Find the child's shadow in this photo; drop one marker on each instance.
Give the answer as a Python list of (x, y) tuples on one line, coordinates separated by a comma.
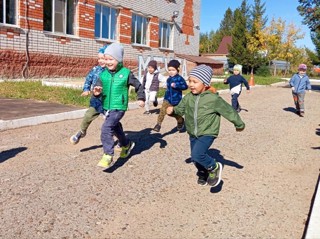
[(215, 153), (144, 140), (290, 109), (155, 111)]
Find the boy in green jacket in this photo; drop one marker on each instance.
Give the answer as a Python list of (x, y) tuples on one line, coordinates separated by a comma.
[(203, 110)]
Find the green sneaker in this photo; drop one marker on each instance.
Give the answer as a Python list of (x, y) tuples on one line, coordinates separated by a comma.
[(106, 161), (126, 150), (214, 176)]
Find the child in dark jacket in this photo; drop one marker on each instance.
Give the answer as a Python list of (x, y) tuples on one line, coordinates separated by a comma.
[(113, 86), (95, 108), (299, 83), (173, 95), (235, 81), (203, 110)]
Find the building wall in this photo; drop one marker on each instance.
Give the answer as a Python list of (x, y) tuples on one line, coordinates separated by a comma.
[(27, 50)]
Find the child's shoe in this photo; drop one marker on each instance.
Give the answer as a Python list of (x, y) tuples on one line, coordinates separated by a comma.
[(147, 113), (157, 128), (76, 138), (180, 126), (155, 102), (106, 161), (301, 114), (214, 176), (202, 178), (126, 150)]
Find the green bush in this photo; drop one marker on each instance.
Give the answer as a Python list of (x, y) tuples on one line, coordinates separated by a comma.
[(263, 71)]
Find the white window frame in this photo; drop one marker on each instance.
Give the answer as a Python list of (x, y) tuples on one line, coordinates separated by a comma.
[(15, 12), (169, 37), (109, 20), (144, 29), (65, 18)]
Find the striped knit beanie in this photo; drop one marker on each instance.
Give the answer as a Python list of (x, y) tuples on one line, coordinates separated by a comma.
[(203, 73)]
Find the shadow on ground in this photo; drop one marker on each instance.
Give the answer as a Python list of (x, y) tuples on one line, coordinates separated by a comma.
[(144, 140), (5, 155)]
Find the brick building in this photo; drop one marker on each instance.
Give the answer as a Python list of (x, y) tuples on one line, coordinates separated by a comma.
[(60, 38)]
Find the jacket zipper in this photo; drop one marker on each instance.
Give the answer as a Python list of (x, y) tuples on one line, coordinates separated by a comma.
[(110, 92), (195, 115)]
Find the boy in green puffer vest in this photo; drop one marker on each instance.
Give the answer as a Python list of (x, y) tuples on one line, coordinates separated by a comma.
[(113, 85), (203, 110)]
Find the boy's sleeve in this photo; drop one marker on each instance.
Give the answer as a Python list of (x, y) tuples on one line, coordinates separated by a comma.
[(308, 85), (180, 108), (291, 81), (133, 81), (226, 110), (89, 80), (181, 84), (245, 82)]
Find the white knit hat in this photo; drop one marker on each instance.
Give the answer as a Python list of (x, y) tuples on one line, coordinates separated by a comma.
[(115, 50), (203, 73)]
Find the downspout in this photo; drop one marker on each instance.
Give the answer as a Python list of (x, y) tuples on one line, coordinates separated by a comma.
[(25, 70)]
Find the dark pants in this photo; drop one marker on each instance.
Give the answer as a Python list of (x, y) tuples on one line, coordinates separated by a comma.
[(298, 99), (234, 101), (112, 127), (199, 152)]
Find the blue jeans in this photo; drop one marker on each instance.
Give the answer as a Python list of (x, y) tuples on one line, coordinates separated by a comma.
[(235, 102), (199, 151), (111, 127)]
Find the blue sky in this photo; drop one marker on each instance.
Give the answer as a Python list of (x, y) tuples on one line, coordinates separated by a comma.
[(212, 12)]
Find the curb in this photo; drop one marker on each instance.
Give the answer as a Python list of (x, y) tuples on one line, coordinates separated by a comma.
[(313, 229), (50, 118)]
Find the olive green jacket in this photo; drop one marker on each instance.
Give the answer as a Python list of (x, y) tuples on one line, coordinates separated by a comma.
[(203, 113)]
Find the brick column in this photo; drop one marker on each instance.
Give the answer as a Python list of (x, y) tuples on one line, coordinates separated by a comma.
[(31, 14), (86, 18), (154, 32), (187, 20), (124, 19)]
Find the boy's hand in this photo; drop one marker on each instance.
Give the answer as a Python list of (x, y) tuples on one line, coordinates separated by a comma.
[(85, 93), (239, 129), (170, 110), (97, 90), (141, 103), (173, 85)]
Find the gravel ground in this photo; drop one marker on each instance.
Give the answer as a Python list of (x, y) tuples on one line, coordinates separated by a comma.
[(52, 189)]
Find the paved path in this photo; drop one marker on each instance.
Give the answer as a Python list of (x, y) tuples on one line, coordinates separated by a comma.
[(51, 189)]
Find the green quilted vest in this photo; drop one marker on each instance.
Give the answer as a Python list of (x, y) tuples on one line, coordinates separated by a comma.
[(115, 89)]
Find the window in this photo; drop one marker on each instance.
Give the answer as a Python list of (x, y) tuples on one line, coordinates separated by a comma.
[(165, 35), (8, 12), (139, 29), (59, 16), (105, 22)]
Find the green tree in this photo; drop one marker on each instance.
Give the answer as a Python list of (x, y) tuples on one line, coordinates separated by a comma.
[(238, 51), (256, 38), (310, 11)]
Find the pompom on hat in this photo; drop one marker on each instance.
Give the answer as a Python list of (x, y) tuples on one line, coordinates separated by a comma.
[(302, 67), (203, 73), (102, 49), (237, 67), (153, 64), (116, 51), (175, 64)]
